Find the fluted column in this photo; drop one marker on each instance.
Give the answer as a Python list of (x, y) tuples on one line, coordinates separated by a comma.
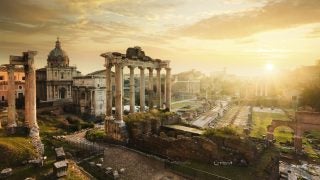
[(150, 88), (108, 91), (132, 90), (31, 81), (168, 88), (142, 89), (118, 98), (159, 87), (11, 97), (26, 97)]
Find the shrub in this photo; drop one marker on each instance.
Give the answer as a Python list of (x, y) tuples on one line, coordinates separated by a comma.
[(225, 131), (72, 120), (87, 125), (95, 135)]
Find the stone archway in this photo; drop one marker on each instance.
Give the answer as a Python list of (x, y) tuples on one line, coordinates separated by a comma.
[(304, 121), (284, 135)]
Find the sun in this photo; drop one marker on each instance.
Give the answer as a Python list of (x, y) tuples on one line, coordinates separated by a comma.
[(269, 67)]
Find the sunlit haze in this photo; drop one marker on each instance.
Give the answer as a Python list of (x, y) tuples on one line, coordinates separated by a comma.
[(239, 35)]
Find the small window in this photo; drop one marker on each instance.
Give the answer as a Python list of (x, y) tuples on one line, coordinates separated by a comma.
[(20, 87), (23, 78), (55, 73), (1, 78), (61, 75), (2, 98)]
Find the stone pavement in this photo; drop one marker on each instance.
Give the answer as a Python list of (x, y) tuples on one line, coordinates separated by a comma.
[(137, 165)]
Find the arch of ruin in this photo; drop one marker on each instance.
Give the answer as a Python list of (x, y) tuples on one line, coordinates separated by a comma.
[(303, 122), (114, 126), (26, 60)]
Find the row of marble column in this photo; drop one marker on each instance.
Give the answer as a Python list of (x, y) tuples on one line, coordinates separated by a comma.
[(30, 96), (119, 90)]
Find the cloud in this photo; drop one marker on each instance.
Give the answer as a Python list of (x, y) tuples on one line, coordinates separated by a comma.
[(278, 14), (315, 33), (140, 8)]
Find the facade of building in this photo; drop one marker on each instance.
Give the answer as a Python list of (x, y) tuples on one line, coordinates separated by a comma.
[(54, 82), (89, 93), (19, 77), (186, 85)]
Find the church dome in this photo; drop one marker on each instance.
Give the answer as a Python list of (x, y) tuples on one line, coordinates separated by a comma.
[(58, 57)]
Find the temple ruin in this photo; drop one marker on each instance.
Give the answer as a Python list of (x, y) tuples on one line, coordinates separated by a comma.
[(30, 120), (304, 121), (134, 58)]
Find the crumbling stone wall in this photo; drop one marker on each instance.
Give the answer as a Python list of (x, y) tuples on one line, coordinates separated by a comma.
[(146, 136)]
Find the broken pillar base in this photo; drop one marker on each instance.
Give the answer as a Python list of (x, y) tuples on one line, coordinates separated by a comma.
[(116, 130)]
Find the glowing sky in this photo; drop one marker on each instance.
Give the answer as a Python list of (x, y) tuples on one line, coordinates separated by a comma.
[(241, 35)]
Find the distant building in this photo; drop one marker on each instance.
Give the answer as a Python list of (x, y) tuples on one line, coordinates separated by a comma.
[(186, 84), (54, 82), (89, 93), (19, 81)]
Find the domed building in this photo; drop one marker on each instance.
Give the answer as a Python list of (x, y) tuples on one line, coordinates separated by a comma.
[(58, 57), (54, 82)]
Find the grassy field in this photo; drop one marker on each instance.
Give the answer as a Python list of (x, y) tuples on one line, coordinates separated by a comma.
[(283, 134), (14, 150), (261, 120), (192, 104), (18, 149)]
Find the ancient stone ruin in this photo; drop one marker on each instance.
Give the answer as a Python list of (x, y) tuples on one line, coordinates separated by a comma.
[(134, 58), (304, 121), (30, 120)]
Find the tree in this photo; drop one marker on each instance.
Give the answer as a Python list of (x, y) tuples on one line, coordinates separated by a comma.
[(310, 96)]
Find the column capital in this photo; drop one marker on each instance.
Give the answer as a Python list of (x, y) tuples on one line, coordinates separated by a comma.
[(158, 69), (150, 68), (141, 68), (131, 67), (168, 68)]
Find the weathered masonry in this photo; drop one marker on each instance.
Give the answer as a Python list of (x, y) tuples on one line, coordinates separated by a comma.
[(26, 60), (30, 119), (304, 121), (134, 58)]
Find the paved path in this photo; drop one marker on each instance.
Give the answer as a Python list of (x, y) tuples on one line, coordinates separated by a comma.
[(206, 118), (137, 165), (241, 120)]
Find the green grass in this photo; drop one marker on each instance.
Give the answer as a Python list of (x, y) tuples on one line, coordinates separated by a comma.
[(14, 150), (261, 120), (283, 134), (192, 104)]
